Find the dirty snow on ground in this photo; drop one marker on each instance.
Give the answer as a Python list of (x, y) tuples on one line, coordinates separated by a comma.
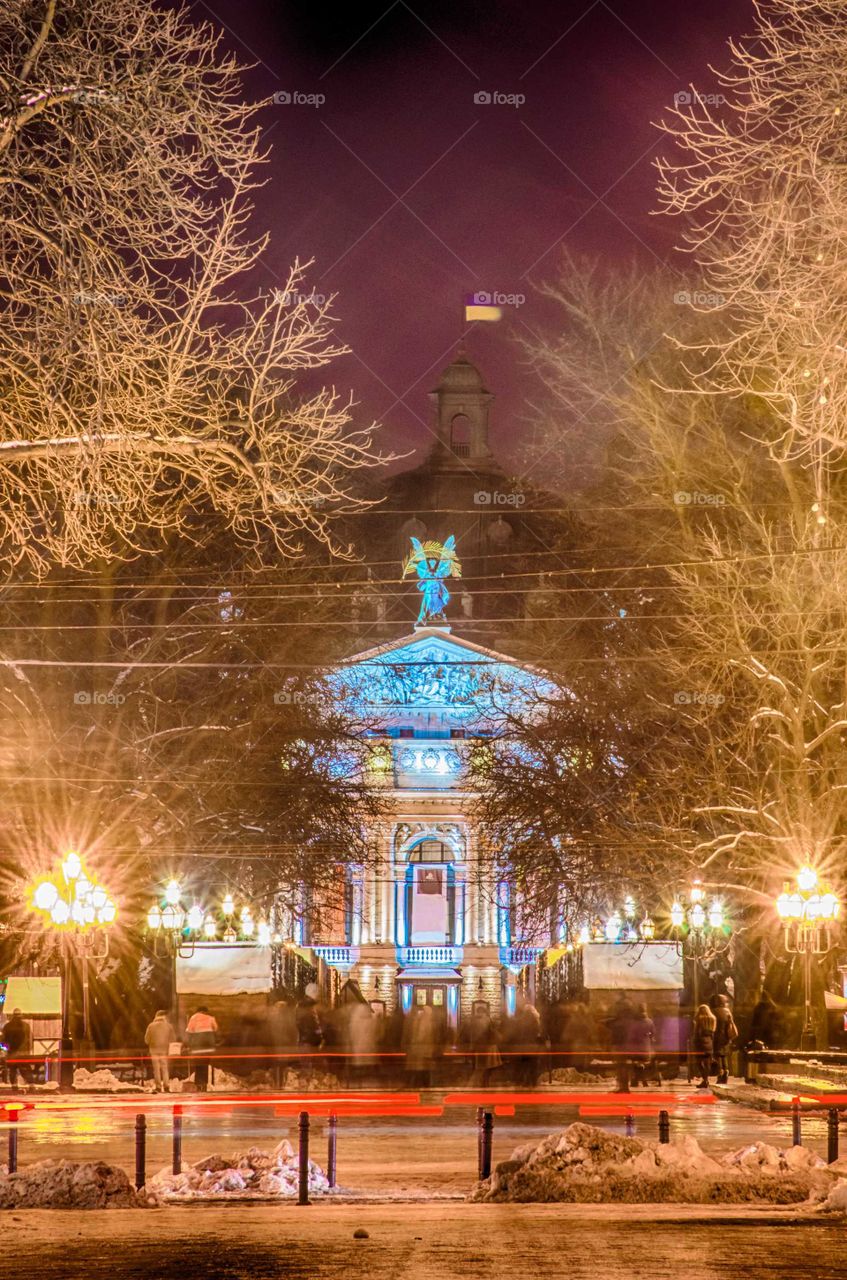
[(102, 1081), (587, 1164), (245, 1175), (64, 1184)]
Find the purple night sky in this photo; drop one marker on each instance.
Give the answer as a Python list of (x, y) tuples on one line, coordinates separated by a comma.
[(409, 194)]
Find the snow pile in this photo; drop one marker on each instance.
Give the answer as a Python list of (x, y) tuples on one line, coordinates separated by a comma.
[(102, 1081), (309, 1080), (224, 1082), (63, 1184), (570, 1075), (252, 1174), (586, 1164)]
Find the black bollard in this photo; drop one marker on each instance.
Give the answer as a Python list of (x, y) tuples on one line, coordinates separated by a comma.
[(796, 1134), (487, 1138), (630, 1124), (832, 1135), (664, 1127), (332, 1145), (140, 1151), (176, 1164), (480, 1112), (303, 1197), (12, 1117)]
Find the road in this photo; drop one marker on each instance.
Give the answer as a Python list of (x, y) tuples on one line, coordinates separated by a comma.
[(394, 1156), (422, 1242)]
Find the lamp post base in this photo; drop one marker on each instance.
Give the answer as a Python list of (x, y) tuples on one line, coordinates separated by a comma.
[(808, 1038)]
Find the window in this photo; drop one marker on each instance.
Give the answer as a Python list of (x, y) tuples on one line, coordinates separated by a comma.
[(431, 851)]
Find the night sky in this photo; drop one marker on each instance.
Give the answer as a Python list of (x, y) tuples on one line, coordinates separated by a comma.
[(409, 194)]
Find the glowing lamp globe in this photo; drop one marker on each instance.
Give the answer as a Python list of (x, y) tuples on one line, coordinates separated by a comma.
[(613, 927), (46, 894), (228, 906), (71, 867), (696, 894), (82, 888), (248, 927), (107, 912), (716, 915), (677, 915), (829, 906), (99, 897), (629, 907), (78, 913), (195, 917), (154, 918), (264, 934), (807, 879), (173, 917), (647, 929), (783, 903), (173, 893), (697, 916), (60, 912), (210, 928)]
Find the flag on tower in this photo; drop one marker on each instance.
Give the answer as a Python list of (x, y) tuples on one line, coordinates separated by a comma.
[(480, 306)]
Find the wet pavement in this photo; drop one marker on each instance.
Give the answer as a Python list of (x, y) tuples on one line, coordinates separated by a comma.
[(423, 1242), (393, 1156)]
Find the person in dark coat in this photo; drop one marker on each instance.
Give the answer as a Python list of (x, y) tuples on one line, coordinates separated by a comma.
[(703, 1042), (726, 1033), (18, 1042), (619, 1025), (766, 1023), (640, 1044)]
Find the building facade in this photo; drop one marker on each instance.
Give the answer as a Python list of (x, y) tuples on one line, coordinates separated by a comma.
[(429, 922)]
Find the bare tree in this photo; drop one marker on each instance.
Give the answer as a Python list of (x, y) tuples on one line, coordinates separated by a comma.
[(145, 381), (757, 172)]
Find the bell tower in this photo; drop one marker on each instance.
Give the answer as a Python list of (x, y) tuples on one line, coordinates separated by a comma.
[(462, 405)]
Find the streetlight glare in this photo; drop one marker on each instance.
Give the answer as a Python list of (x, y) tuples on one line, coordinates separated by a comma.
[(210, 928), (173, 893), (195, 917), (60, 912), (807, 879), (154, 917)]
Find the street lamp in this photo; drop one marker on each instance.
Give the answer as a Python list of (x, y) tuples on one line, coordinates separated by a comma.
[(701, 922), (83, 911), (173, 929), (808, 914)]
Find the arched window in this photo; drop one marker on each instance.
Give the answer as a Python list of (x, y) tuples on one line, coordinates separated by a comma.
[(460, 435), (431, 851)]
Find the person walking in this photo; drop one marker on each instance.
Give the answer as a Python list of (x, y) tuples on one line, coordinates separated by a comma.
[(18, 1042), (201, 1032), (619, 1025), (703, 1042), (642, 1033), (158, 1037), (726, 1033)]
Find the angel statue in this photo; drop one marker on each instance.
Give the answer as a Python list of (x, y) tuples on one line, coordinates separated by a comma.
[(433, 562)]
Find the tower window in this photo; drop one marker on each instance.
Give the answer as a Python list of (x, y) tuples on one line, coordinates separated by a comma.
[(460, 435)]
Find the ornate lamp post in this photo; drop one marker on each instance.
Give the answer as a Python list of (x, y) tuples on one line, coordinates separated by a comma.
[(808, 915), (83, 912), (174, 930), (702, 923)]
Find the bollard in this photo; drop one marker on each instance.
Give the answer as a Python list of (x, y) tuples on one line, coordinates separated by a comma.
[(796, 1134), (176, 1164), (664, 1127), (832, 1135), (140, 1151), (12, 1117), (480, 1112), (303, 1197), (630, 1125), (332, 1144), (487, 1135)]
